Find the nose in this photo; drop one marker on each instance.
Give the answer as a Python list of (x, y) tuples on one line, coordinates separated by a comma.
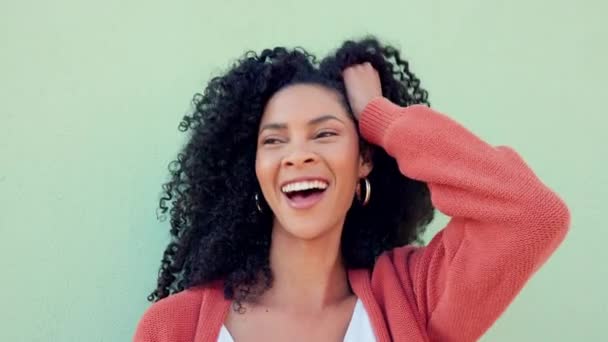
[(300, 157)]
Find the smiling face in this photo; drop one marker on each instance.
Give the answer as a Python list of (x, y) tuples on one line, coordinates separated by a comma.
[(307, 161)]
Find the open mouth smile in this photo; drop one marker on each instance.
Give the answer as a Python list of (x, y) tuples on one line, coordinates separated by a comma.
[(304, 194)]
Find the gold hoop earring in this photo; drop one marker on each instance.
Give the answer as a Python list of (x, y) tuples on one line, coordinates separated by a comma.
[(368, 192), (257, 203)]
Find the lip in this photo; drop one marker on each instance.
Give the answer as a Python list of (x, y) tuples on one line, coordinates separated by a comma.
[(306, 203), (311, 201), (303, 179)]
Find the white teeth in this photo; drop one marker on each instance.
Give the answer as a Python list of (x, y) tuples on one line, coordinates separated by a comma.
[(299, 186)]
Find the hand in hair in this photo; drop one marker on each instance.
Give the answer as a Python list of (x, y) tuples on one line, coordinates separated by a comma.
[(362, 85)]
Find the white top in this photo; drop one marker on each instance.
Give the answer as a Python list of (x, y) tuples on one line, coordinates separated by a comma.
[(359, 329)]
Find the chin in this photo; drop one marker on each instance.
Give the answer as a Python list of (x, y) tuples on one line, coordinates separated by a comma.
[(306, 229)]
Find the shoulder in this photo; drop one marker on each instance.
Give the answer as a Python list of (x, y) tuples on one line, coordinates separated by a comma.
[(186, 301), (397, 260), (172, 318), (392, 266), (389, 290)]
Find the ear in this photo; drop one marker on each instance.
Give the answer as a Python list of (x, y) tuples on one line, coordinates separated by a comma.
[(365, 162)]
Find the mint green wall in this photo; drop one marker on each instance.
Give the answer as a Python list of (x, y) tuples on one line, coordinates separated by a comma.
[(91, 95)]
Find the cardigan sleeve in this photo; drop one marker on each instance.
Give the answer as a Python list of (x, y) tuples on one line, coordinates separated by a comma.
[(172, 319), (504, 221)]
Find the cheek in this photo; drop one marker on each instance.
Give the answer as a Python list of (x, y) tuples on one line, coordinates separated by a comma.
[(348, 157), (345, 162), (265, 169)]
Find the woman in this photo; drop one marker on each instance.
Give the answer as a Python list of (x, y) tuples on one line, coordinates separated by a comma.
[(298, 202)]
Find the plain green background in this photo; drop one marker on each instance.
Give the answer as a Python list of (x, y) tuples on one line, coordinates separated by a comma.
[(92, 93)]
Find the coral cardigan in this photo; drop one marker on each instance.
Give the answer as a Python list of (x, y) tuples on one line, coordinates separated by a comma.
[(504, 225)]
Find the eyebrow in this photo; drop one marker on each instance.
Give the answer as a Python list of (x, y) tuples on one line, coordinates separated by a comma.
[(315, 121)]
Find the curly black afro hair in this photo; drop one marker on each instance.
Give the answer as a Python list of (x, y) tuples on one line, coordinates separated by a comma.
[(216, 230)]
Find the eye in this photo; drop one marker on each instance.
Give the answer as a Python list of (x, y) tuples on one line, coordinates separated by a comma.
[(270, 141), (325, 134)]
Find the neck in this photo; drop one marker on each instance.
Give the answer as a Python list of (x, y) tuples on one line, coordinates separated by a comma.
[(308, 275)]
